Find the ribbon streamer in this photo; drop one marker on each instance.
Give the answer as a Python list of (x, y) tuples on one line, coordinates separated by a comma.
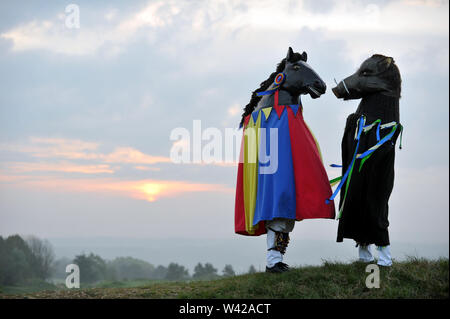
[(362, 156)]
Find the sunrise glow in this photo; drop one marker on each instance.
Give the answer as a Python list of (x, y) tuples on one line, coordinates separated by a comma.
[(151, 190)]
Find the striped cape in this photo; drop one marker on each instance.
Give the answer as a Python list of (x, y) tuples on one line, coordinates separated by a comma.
[(297, 188)]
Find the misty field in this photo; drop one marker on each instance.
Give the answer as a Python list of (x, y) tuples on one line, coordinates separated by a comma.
[(414, 278)]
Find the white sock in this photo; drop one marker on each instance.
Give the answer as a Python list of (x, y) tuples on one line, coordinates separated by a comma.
[(278, 224), (365, 253), (273, 256), (384, 256)]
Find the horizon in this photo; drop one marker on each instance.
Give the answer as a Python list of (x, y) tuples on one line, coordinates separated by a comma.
[(241, 255)]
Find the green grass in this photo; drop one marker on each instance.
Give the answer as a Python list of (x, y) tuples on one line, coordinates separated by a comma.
[(37, 286), (125, 284), (414, 278), (32, 286)]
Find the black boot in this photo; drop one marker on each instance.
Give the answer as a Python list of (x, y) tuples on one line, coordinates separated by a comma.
[(278, 268), (285, 266)]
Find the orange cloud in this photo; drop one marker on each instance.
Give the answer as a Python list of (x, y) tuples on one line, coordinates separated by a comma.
[(146, 168), (149, 190), (25, 167), (59, 155), (73, 149), (55, 148), (131, 155)]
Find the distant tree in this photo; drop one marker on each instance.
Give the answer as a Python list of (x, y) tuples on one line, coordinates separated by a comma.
[(252, 269), (205, 272), (16, 261), (19, 269), (131, 268), (92, 268), (58, 268), (160, 272), (228, 271), (3, 260), (111, 273), (176, 272), (199, 271), (43, 255)]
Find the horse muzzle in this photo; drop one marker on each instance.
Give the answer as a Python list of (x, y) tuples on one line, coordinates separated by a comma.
[(347, 88), (339, 90), (316, 89)]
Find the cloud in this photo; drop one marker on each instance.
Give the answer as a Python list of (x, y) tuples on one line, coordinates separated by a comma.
[(131, 155), (110, 33), (74, 149), (413, 32), (393, 17), (85, 158), (146, 168), (147, 189), (187, 22), (53, 36), (66, 167), (43, 147), (155, 14)]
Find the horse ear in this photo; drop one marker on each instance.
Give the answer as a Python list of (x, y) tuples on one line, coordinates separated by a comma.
[(386, 62), (304, 56), (389, 60), (290, 54)]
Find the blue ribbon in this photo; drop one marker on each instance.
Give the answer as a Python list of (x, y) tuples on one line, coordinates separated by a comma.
[(266, 92), (378, 131), (276, 87), (360, 129), (380, 142), (363, 155)]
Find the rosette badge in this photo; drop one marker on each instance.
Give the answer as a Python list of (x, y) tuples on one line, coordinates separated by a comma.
[(279, 80)]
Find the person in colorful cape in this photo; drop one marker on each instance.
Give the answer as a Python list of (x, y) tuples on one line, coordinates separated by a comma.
[(368, 154), (281, 178)]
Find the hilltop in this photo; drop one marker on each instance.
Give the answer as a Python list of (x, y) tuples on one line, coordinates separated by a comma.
[(414, 278)]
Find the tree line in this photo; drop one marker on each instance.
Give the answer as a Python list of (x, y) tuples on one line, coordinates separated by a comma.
[(23, 260), (94, 268)]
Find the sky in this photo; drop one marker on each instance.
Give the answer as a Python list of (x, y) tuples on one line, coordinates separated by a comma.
[(91, 92)]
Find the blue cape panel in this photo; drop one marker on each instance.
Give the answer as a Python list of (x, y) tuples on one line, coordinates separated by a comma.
[(276, 192)]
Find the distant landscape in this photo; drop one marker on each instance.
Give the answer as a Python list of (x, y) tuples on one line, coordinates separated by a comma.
[(30, 265), (29, 268), (241, 252)]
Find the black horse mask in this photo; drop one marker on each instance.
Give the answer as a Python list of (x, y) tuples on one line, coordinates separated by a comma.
[(376, 74), (301, 78)]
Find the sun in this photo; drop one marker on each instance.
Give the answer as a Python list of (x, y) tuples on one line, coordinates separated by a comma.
[(151, 190)]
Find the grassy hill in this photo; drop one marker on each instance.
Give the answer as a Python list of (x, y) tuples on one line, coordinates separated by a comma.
[(414, 278)]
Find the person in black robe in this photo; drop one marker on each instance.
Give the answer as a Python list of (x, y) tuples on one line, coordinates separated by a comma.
[(365, 193)]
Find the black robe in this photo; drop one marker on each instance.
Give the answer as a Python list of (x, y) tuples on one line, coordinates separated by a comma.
[(365, 213)]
